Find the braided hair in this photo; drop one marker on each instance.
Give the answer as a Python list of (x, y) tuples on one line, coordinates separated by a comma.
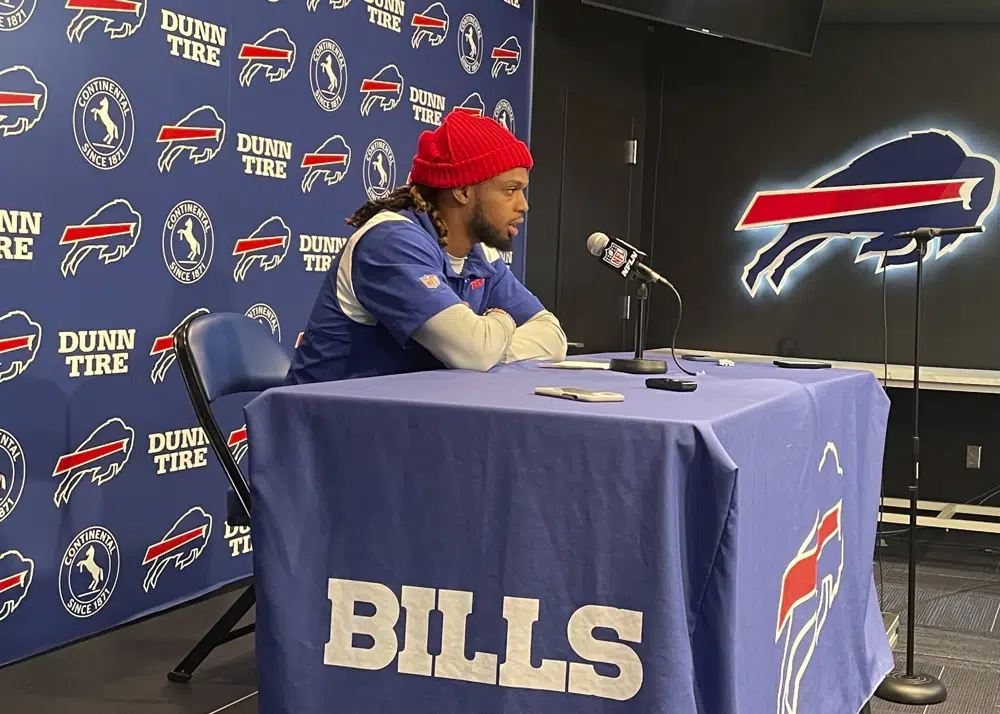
[(410, 196)]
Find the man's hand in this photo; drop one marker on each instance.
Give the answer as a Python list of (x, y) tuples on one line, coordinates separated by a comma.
[(496, 309)]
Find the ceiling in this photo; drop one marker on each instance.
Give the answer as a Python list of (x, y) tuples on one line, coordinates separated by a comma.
[(912, 11)]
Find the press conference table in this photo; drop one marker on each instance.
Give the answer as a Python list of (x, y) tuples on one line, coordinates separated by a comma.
[(451, 543)]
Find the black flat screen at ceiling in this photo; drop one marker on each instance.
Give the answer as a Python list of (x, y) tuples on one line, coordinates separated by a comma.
[(782, 24)]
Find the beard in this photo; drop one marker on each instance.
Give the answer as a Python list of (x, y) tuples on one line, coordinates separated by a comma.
[(484, 232)]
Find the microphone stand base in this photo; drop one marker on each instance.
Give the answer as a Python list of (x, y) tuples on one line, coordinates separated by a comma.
[(638, 366), (912, 689)]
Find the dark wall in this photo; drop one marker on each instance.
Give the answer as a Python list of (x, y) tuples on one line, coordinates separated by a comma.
[(589, 52), (741, 118)]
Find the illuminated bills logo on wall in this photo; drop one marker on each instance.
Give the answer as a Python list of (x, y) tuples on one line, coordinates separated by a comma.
[(927, 178)]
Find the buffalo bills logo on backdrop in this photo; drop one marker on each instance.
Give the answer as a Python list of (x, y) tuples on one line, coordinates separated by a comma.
[(470, 43), (110, 234), (23, 98), (163, 348), (472, 105), (506, 58), (265, 315), (16, 574), (311, 5), (103, 123), (328, 75), (274, 53), (384, 90), (120, 18), (88, 572), (504, 114), (238, 439), (14, 14), (809, 588), (266, 247), (20, 337), (379, 170), (199, 134), (330, 161), (927, 178), (431, 26), (188, 242), (180, 546), (101, 456), (12, 474)]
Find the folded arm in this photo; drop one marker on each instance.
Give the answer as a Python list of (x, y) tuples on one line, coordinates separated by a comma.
[(461, 339), (541, 337)]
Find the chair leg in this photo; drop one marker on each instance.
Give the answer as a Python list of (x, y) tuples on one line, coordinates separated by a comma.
[(221, 632)]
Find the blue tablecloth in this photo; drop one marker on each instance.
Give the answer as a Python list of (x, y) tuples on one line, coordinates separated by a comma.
[(451, 543)]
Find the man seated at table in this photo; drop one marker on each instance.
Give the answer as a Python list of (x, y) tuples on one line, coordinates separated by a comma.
[(421, 283)]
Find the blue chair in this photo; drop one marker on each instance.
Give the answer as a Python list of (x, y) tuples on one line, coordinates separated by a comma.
[(220, 354)]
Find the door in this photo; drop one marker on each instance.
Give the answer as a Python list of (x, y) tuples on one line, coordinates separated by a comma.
[(596, 196)]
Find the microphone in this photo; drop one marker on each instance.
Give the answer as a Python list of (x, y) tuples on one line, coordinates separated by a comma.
[(931, 233), (626, 260), (622, 257)]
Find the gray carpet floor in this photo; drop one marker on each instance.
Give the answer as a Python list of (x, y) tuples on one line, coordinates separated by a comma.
[(957, 624)]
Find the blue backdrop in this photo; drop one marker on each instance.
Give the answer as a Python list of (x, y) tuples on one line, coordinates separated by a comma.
[(161, 158)]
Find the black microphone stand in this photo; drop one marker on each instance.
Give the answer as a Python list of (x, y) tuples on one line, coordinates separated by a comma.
[(916, 689), (638, 364)]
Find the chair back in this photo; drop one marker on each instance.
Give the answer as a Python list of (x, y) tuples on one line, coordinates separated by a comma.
[(227, 353)]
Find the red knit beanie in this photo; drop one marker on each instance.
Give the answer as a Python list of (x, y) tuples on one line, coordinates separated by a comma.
[(466, 150)]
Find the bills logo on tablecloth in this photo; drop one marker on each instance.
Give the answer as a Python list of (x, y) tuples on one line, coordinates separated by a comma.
[(809, 587), (117, 18), (109, 234), (20, 338), (927, 178), (23, 98), (180, 547), (16, 574)]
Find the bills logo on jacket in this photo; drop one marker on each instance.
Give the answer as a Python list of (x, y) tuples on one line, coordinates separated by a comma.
[(926, 178), (164, 162)]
